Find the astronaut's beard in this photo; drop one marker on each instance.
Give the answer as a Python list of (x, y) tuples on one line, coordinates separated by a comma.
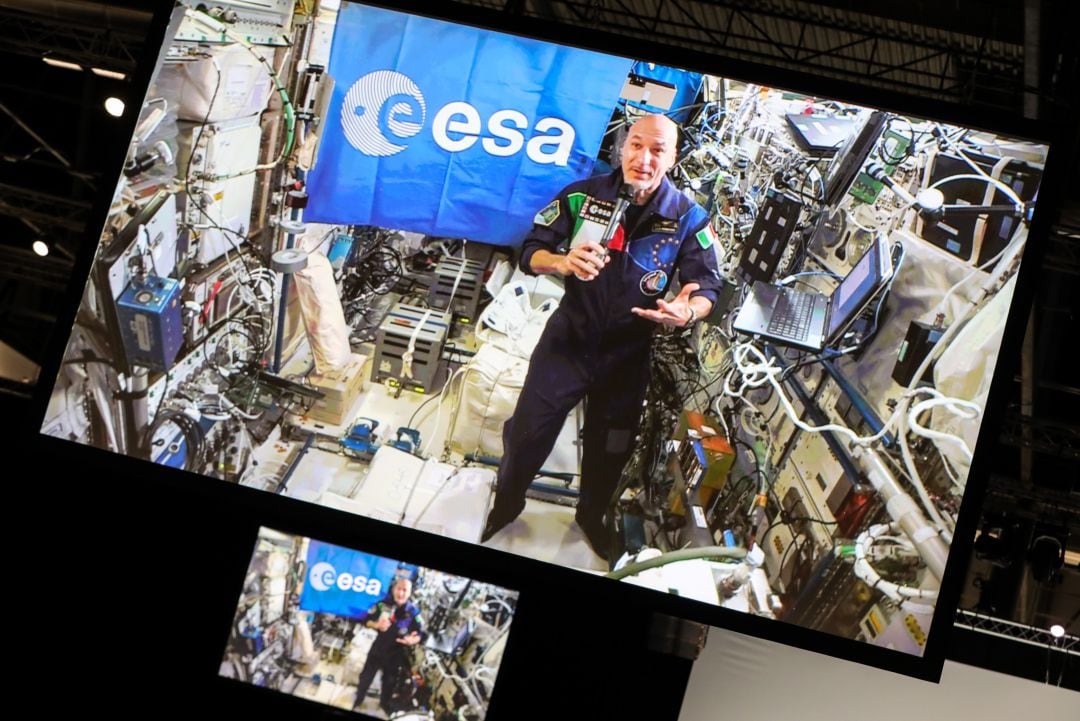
[(637, 183), (643, 189)]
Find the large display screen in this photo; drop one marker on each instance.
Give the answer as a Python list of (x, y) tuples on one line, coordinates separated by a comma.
[(484, 286)]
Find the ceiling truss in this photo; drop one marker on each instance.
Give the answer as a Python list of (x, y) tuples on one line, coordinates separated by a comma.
[(856, 47), (83, 43)]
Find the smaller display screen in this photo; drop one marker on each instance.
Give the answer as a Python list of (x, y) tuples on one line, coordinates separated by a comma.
[(366, 633)]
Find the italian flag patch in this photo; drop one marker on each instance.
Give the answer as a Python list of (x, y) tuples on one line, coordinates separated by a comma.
[(706, 237)]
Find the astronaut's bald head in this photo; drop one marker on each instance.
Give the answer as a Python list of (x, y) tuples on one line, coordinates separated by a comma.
[(649, 152)]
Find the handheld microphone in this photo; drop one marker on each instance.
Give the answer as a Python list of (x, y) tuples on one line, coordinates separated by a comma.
[(625, 197), (622, 202)]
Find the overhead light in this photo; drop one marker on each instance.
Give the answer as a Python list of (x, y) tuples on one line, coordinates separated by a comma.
[(108, 73), (69, 65), (1057, 630), (57, 63), (114, 106), (41, 248)]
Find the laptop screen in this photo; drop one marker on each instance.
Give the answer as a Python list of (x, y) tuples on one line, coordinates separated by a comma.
[(850, 159), (857, 288)]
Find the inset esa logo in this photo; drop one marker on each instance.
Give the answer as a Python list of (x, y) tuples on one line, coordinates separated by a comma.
[(384, 108), (323, 577)]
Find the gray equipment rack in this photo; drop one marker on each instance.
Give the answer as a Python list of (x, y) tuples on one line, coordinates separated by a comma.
[(458, 286), (392, 343)]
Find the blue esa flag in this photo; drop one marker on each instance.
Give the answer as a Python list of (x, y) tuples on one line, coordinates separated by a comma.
[(454, 131), (345, 582)]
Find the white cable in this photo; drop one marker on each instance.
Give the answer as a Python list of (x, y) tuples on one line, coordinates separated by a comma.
[(457, 278), (750, 426), (720, 416), (757, 375), (964, 409), (851, 219), (501, 602), (765, 372), (438, 417), (901, 595), (953, 476), (407, 356), (235, 410), (484, 673), (447, 673), (916, 481), (446, 390), (213, 416), (986, 178)]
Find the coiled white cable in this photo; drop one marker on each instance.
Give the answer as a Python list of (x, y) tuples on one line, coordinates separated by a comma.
[(904, 596)]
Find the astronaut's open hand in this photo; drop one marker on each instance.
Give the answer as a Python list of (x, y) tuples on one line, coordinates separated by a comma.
[(674, 314), (586, 260), (410, 640)]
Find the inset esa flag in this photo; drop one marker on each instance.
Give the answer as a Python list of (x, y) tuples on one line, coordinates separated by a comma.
[(346, 582), (454, 131)]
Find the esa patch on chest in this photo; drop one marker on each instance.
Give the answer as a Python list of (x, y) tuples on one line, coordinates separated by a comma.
[(597, 211), (653, 282), (592, 220)]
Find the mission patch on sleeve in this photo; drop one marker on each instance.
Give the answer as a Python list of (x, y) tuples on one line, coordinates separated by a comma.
[(548, 215)]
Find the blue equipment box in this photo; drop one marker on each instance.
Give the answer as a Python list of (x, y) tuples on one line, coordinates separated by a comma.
[(340, 249), (175, 453), (150, 322)]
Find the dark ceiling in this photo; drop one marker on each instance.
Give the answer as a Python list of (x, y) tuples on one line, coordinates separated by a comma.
[(59, 147)]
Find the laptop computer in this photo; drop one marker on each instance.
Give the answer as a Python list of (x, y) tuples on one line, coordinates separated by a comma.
[(820, 136), (811, 320)]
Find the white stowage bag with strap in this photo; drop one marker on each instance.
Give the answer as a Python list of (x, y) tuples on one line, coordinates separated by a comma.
[(511, 323), (509, 329), (965, 370), (324, 318)]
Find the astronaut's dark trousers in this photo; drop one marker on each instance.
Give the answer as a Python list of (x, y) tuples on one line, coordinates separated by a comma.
[(612, 378), (392, 664)]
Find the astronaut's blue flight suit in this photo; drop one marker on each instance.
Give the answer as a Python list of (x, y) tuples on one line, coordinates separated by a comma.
[(386, 654), (593, 346)]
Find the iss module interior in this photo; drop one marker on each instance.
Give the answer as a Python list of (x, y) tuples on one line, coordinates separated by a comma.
[(310, 283)]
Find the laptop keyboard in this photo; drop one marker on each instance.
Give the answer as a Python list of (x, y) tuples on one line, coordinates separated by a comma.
[(791, 314)]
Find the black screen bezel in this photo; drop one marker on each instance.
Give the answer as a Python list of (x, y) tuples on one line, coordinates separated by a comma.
[(535, 578)]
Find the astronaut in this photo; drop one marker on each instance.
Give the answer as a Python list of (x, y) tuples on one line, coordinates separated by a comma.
[(399, 625), (596, 345)]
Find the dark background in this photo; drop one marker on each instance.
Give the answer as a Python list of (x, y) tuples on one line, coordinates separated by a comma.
[(127, 576)]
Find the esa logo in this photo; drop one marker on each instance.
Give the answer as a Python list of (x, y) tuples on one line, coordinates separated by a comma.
[(385, 108), (323, 577)]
